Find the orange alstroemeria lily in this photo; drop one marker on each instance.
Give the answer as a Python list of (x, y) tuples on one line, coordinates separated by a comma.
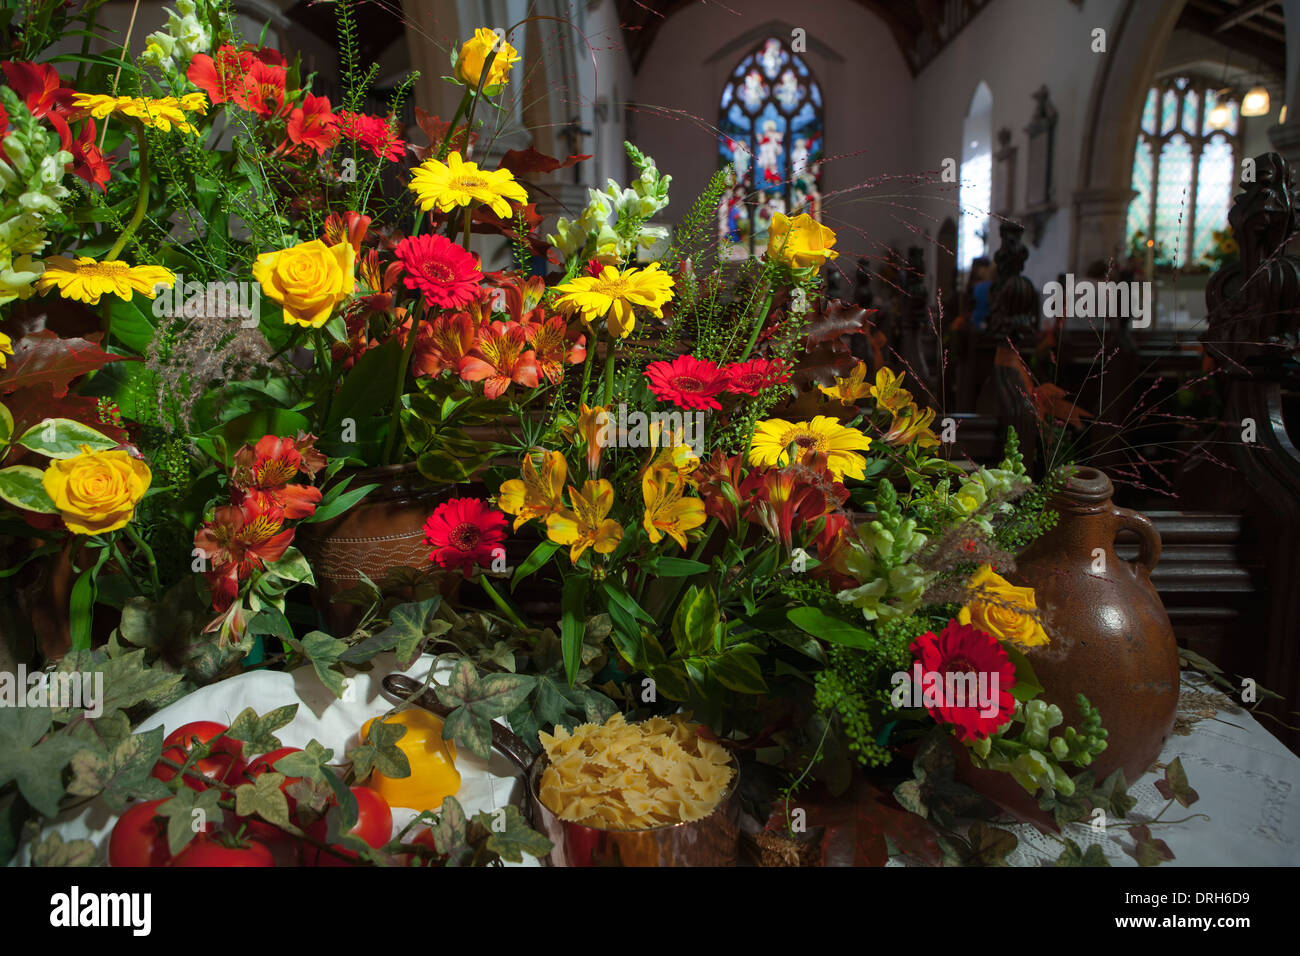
[(500, 356), (587, 525), (535, 495), (666, 510), (594, 427), (910, 423)]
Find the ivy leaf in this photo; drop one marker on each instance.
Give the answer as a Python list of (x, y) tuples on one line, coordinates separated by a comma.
[(1175, 786), (1147, 850), (324, 652), (52, 851), (308, 762), (476, 702), (934, 793), (257, 733), (380, 752), (450, 833), (36, 764), (127, 681), (1112, 795), (264, 798), (509, 835), (990, 845), (1072, 855), (103, 732), (187, 814), (409, 625), (549, 703), (122, 773), (1078, 806)]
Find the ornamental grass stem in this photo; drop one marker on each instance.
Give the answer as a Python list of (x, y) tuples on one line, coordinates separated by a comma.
[(141, 195), (138, 540), (758, 323), (501, 604), (394, 419)]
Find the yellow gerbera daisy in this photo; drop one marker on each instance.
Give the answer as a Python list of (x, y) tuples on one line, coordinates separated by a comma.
[(162, 113), (666, 510), (86, 280), (821, 436), (535, 495), (889, 392), (849, 390), (458, 183), (613, 294), (587, 525)]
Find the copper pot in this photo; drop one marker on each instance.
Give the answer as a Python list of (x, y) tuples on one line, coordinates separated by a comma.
[(1111, 639), (713, 840), (384, 530)]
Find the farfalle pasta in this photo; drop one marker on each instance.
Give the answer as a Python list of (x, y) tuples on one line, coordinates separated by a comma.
[(623, 776)]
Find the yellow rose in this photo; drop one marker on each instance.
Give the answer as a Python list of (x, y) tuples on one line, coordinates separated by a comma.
[(469, 64), (802, 242), (307, 279), (1000, 608), (96, 491)]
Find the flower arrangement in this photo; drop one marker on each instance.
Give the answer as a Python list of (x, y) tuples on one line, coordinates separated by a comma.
[(664, 484)]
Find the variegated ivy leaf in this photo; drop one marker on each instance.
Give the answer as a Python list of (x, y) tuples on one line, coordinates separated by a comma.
[(122, 774), (189, 813), (52, 851), (380, 752), (257, 733)]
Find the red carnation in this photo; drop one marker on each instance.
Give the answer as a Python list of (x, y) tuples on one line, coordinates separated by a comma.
[(375, 133), (313, 124), (446, 274), (464, 532), (750, 378), (965, 649), (687, 382)]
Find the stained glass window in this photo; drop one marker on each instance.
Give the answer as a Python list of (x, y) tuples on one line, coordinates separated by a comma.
[(1183, 170), (772, 145)]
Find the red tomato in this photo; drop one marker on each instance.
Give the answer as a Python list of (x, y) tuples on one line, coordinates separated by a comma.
[(225, 763), (205, 851), (257, 828), (138, 839), (425, 839), (374, 825)]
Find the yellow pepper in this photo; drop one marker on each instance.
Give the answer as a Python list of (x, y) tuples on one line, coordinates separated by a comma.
[(434, 776)]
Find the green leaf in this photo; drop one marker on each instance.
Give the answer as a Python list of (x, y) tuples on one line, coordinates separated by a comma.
[(368, 388), (126, 682), (1027, 684), (539, 556), (449, 832), (52, 851), (469, 731), (696, 621), (573, 601), (678, 567), (63, 438), (339, 504), (379, 751), (739, 672), (308, 762), (122, 774), (264, 798), (257, 733), (21, 486), (6, 424), (819, 624), (292, 566), (510, 836), (618, 594), (1147, 850), (324, 652), (408, 627), (36, 764), (498, 694), (187, 814), (1112, 795), (1073, 855), (989, 845), (1175, 785)]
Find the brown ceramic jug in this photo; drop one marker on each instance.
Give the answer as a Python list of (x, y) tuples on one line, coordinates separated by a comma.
[(1111, 639)]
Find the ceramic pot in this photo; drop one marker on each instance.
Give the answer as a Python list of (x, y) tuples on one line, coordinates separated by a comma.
[(384, 530), (1111, 639)]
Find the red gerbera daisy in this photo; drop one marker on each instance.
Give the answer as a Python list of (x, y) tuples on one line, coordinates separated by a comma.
[(965, 673), (750, 378), (464, 532), (447, 275), (375, 133), (687, 382)]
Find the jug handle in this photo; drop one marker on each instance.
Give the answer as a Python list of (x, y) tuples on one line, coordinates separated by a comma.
[(1149, 545)]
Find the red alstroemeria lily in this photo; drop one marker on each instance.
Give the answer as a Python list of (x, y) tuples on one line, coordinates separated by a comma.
[(237, 541), (264, 472)]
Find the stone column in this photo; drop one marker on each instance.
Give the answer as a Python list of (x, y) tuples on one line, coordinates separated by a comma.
[(1286, 136), (1100, 220)]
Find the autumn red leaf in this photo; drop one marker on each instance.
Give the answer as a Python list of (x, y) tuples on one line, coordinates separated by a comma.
[(43, 358), (524, 161)]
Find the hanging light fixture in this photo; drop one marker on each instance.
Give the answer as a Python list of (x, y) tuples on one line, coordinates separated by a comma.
[(1219, 116), (1255, 102)]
